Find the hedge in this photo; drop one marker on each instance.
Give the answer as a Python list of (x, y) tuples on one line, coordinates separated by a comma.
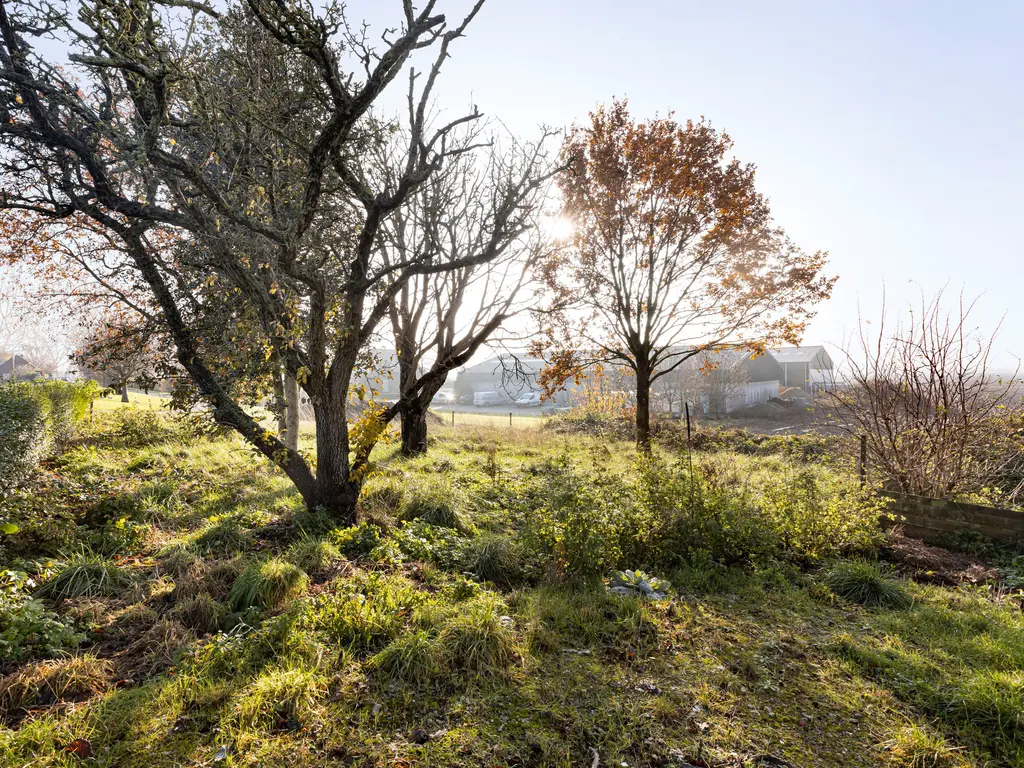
[(37, 418)]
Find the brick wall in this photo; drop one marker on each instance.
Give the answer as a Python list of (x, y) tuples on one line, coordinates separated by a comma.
[(927, 518)]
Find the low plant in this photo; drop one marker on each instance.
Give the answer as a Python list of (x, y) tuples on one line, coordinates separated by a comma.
[(225, 536), (497, 558), (478, 639), (860, 581), (69, 679), (991, 702), (915, 746), (311, 553), (281, 699), (638, 584), (358, 540), (267, 584), (85, 574), (411, 658), (435, 504), (201, 613), (364, 614), (28, 629)]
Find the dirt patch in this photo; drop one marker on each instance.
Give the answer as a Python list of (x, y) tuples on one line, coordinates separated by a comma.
[(934, 565)]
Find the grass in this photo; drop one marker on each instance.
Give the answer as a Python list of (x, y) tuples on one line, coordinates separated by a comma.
[(85, 574), (422, 646), (268, 584), (868, 584)]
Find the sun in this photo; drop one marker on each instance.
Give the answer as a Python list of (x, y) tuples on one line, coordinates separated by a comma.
[(559, 228)]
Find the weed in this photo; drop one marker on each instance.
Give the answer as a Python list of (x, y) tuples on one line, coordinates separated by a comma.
[(914, 746), (281, 699), (866, 583), (435, 504), (224, 536)]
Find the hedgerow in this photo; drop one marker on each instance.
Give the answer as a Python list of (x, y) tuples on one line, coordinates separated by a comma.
[(35, 419)]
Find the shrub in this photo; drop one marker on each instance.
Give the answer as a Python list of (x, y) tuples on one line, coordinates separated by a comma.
[(86, 574), (478, 640), (573, 524), (24, 438), (411, 658), (137, 428), (267, 584), (866, 583), (69, 405)]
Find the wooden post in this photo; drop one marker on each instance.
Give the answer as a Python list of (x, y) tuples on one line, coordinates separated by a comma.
[(862, 468), (510, 418), (453, 418)]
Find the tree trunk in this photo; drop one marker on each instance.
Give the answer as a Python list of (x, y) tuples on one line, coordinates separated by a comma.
[(124, 392), (336, 491), (291, 413), (643, 407), (414, 429)]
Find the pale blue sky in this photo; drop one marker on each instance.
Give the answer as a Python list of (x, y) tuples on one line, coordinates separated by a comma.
[(888, 133)]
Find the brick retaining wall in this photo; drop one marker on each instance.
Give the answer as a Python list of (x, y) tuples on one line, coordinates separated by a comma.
[(927, 518)]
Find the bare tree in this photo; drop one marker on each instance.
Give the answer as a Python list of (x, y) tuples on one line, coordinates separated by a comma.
[(439, 321), (937, 423)]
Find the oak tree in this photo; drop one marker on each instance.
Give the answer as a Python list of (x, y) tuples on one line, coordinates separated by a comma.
[(674, 253)]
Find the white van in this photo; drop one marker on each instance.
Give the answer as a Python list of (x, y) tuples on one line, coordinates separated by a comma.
[(490, 398)]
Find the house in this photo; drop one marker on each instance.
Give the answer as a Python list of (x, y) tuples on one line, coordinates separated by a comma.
[(17, 367), (802, 365)]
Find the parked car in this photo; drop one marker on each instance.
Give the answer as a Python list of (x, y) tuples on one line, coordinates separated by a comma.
[(466, 399), (444, 397), (528, 400), (490, 398)]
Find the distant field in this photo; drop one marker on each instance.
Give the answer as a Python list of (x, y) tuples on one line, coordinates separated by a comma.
[(137, 399)]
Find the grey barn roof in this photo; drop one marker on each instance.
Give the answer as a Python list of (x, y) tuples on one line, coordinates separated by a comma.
[(809, 354)]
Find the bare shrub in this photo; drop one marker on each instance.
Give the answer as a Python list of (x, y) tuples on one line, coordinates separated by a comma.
[(937, 420)]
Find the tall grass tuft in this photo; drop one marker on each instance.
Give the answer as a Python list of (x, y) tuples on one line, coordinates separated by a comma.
[(866, 583), (478, 641), (267, 584), (86, 574)]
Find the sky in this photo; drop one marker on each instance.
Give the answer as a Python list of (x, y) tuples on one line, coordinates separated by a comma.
[(887, 133)]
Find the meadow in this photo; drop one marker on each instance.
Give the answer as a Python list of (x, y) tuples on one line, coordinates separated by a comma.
[(528, 596)]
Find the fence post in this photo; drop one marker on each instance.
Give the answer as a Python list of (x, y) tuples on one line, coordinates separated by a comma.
[(862, 468), (453, 418), (510, 418)]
